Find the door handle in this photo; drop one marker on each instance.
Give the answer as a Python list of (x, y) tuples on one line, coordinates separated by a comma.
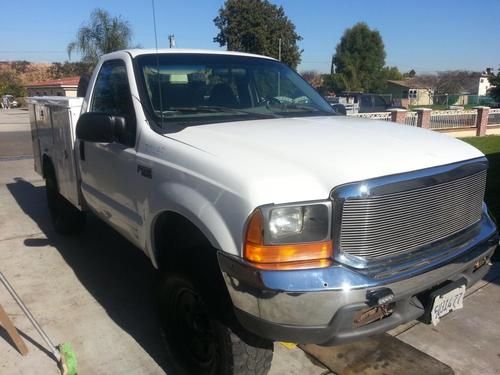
[(82, 150), (145, 171)]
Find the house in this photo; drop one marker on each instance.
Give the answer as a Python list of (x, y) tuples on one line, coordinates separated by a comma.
[(473, 89), (410, 92), (484, 82), (56, 87)]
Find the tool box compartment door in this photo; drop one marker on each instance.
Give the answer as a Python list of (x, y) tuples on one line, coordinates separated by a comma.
[(37, 155), (64, 120), (53, 121)]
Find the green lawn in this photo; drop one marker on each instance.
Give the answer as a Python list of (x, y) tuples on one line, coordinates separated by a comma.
[(490, 146)]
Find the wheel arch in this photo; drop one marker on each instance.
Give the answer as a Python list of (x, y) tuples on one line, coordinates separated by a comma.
[(182, 205), (185, 249), (172, 232)]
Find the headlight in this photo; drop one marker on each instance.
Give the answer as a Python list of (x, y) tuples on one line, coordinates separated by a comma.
[(286, 221), (289, 233), (298, 224)]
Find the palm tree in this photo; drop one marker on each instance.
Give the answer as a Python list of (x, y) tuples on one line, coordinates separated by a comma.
[(103, 34)]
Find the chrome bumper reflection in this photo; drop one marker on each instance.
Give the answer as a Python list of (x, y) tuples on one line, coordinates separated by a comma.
[(312, 297)]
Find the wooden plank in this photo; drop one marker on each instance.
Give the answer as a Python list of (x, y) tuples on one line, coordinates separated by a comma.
[(12, 332)]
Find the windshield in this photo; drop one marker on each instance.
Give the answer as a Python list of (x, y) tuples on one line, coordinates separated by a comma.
[(193, 89)]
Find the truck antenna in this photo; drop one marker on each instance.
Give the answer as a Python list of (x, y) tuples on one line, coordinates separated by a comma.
[(157, 63)]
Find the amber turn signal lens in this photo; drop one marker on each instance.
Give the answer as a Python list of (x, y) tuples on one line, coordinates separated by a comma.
[(301, 265), (289, 256)]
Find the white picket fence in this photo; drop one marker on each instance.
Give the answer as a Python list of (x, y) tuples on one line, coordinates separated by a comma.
[(411, 118), (453, 119), (440, 120), (494, 117), (384, 116)]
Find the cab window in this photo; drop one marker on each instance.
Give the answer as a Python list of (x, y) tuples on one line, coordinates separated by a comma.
[(112, 96), (111, 91)]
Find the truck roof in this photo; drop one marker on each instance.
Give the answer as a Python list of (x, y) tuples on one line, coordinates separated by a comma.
[(147, 51)]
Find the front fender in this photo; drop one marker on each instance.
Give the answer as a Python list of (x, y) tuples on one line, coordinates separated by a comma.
[(216, 214)]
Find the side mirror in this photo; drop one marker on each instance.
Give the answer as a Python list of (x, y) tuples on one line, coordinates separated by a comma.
[(100, 127)]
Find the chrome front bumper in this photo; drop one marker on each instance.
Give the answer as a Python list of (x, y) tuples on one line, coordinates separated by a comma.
[(318, 305)]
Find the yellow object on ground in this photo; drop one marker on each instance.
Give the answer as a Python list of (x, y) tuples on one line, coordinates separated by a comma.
[(288, 345)]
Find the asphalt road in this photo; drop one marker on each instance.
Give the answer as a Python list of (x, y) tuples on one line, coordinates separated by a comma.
[(15, 134), (15, 144)]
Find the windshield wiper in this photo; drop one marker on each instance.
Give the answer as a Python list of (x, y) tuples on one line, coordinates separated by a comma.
[(283, 107), (290, 109), (307, 108), (215, 109)]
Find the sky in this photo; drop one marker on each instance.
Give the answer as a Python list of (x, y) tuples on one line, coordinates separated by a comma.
[(427, 36)]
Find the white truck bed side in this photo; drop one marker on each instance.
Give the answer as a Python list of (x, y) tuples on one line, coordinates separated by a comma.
[(53, 121)]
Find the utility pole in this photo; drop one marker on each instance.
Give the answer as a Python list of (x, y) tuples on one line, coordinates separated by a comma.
[(171, 41), (279, 73)]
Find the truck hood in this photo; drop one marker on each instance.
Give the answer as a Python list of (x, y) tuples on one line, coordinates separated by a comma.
[(299, 159)]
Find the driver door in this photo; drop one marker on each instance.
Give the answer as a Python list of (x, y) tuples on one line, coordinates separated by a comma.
[(104, 166)]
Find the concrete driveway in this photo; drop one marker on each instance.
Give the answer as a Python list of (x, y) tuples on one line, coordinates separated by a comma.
[(94, 290)]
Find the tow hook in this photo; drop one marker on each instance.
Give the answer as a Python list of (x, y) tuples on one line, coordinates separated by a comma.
[(481, 262)]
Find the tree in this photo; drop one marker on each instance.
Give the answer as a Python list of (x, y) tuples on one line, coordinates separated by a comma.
[(388, 73), (34, 72), (67, 69), (456, 82), (11, 84), (20, 66), (329, 85), (256, 26), (425, 80), (359, 60), (409, 74), (103, 34), (494, 92), (313, 78), (392, 73)]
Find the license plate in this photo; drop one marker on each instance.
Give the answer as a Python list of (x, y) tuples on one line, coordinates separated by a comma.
[(446, 303)]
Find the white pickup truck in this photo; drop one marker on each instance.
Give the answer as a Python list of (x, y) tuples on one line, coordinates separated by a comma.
[(270, 216)]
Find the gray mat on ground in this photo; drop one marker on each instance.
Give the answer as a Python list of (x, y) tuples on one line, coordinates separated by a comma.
[(382, 354)]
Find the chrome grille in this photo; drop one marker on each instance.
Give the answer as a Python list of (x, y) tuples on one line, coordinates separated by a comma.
[(397, 223)]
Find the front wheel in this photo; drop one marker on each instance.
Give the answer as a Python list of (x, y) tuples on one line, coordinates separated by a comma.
[(197, 343)]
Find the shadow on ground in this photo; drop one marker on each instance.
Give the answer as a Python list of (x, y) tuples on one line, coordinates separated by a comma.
[(118, 275), (4, 335)]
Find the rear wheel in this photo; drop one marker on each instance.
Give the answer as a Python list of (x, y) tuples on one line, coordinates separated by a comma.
[(66, 218), (197, 343)]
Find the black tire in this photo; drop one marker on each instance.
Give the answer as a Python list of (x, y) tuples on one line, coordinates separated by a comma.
[(196, 343), (66, 219)]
